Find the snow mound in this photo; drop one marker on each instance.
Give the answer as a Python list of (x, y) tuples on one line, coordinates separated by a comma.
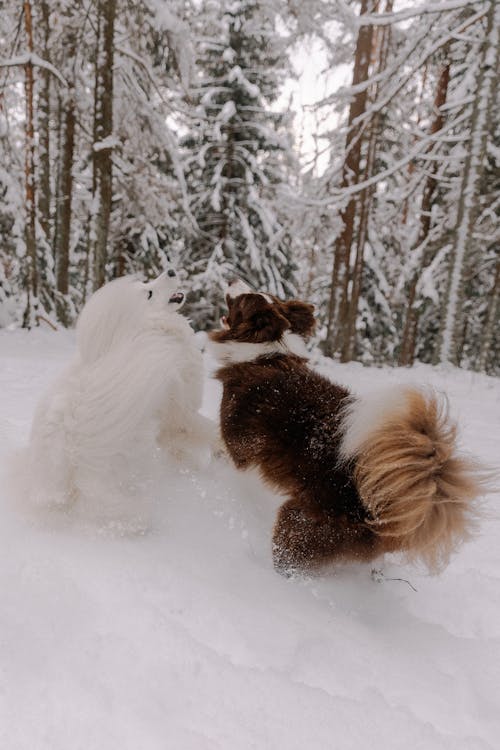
[(186, 638)]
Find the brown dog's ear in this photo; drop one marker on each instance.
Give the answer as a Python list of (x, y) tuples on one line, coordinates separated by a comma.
[(301, 317), (267, 325)]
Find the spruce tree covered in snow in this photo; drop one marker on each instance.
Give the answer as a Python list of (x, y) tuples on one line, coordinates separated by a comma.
[(237, 155), (153, 60)]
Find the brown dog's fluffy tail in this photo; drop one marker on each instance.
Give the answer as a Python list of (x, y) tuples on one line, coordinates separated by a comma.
[(421, 495)]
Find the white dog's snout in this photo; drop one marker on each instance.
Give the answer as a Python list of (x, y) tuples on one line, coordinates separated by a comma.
[(168, 279)]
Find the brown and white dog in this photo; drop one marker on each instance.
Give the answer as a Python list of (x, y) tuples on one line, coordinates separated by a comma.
[(363, 476)]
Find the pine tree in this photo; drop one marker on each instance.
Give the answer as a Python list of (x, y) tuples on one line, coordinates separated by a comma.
[(154, 68), (236, 156)]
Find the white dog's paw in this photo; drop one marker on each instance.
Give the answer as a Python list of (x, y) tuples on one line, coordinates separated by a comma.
[(57, 498), (219, 450), (124, 528), (193, 443), (189, 456)]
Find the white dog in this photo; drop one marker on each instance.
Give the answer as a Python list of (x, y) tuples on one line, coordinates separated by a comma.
[(131, 394)]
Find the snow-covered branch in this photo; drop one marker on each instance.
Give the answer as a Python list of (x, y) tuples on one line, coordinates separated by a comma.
[(33, 59), (427, 8)]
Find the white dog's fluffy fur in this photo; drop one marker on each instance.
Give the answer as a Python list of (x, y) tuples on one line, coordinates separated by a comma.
[(130, 396)]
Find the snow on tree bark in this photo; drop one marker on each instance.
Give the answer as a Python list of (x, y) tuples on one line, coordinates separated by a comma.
[(484, 98), (407, 351)]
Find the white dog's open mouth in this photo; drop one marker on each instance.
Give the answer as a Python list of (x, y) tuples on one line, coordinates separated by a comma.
[(178, 297)]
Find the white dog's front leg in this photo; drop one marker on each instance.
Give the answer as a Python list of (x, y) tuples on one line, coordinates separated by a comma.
[(192, 441)]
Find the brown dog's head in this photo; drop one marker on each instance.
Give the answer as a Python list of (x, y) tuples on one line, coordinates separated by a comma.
[(256, 318)]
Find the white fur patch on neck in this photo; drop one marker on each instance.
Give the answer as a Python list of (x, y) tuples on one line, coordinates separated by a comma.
[(232, 352), (237, 288)]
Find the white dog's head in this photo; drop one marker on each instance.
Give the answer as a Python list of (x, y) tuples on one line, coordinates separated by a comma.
[(119, 310)]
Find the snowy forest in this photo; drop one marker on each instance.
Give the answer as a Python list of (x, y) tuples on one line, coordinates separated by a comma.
[(136, 132)]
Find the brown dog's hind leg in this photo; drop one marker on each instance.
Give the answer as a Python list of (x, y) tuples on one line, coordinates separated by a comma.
[(305, 538)]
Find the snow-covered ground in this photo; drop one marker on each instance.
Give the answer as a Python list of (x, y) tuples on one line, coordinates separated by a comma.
[(186, 638)]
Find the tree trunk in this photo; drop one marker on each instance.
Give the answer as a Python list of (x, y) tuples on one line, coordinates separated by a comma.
[(337, 307), (57, 189), (491, 324), (64, 209), (408, 341), (411, 166), (44, 128), (103, 162), (484, 100), (65, 175), (90, 230), (381, 41), (30, 312)]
